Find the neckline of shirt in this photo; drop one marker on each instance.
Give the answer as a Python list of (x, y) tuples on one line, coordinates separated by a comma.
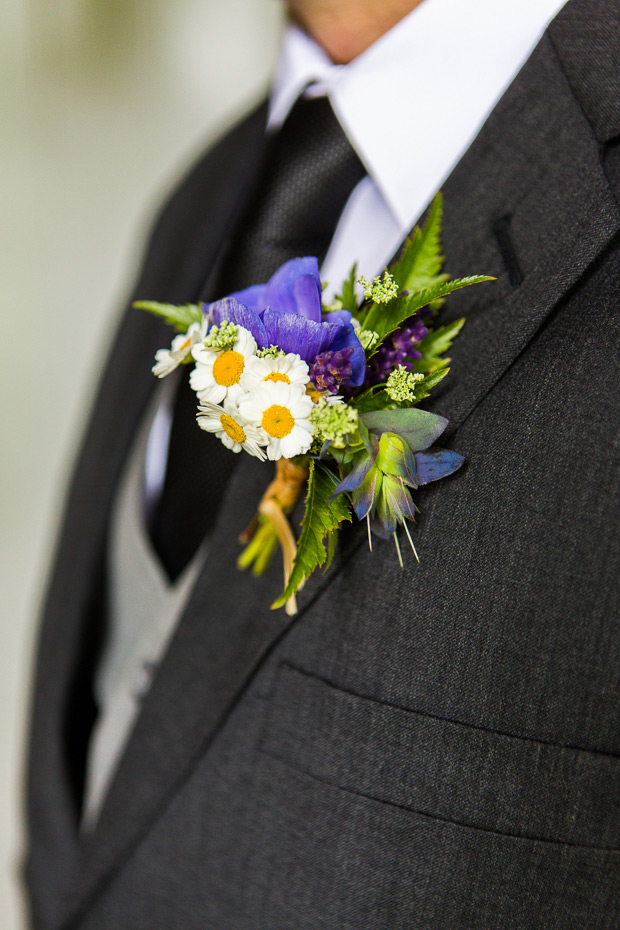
[(403, 112)]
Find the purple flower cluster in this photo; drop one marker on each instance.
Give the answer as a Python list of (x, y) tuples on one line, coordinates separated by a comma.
[(330, 369), (399, 349)]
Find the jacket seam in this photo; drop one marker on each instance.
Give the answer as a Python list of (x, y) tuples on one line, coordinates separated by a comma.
[(430, 716), (436, 817)]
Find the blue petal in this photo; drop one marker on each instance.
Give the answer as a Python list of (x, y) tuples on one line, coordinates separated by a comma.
[(356, 476), (308, 300), (297, 334), (342, 317), (346, 338), (434, 465), (394, 505), (280, 290), (379, 530), (365, 499), (235, 312), (252, 297)]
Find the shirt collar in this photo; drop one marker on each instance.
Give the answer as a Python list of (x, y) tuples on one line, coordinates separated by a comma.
[(421, 92), (302, 63)]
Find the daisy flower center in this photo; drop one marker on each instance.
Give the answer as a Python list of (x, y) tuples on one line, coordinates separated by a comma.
[(277, 376), (277, 421), (228, 368), (232, 428)]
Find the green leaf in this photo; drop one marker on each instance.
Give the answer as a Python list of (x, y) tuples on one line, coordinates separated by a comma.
[(348, 297), (332, 542), (419, 428), (423, 388), (417, 270), (434, 345), (320, 518), (375, 398), (178, 316), (421, 261), (385, 319)]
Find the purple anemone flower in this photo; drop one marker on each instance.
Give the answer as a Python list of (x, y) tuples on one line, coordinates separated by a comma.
[(287, 312)]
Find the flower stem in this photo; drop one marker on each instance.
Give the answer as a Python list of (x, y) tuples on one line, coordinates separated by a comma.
[(257, 554), (262, 535), (270, 526)]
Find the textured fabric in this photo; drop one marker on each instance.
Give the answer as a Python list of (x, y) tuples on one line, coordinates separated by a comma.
[(310, 170), (432, 748)]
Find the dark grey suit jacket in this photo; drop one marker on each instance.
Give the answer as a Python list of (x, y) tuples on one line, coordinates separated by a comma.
[(436, 747)]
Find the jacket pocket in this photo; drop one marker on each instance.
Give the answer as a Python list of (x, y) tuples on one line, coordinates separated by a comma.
[(443, 769)]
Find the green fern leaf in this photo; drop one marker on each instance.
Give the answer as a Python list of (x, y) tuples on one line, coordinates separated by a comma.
[(347, 296), (421, 261), (321, 517), (434, 345), (385, 319)]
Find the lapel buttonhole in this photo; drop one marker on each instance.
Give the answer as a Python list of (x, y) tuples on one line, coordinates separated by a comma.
[(501, 231)]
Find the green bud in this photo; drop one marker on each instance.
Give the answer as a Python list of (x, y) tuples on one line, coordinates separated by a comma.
[(271, 352), (381, 290), (221, 337), (333, 423), (336, 304), (395, 458), (401, 383)]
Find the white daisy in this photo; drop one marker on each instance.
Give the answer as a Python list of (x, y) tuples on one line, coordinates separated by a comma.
[(282, 412), (287, 369), (231, 427), (169, 359), (217, 373)]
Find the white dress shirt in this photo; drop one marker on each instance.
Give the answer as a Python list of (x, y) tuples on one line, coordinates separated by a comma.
[(411, 105)]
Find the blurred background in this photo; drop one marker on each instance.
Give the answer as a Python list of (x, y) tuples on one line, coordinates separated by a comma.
[(102, 105)]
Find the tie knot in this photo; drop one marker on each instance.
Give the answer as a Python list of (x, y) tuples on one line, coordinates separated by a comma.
[(313, 148), (309, 171)]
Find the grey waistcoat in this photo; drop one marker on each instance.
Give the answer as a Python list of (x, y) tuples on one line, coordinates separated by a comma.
[(143, 609)]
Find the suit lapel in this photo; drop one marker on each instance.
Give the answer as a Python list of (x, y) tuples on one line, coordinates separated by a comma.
[(529, 203), (529, 197)]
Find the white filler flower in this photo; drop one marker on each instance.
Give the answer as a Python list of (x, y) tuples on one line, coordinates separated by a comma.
[(231, 427), (282, 412), (218, 372), (287, 369), (168, 359)]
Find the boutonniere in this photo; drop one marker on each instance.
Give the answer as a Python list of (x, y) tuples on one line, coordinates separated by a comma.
[(329, 393)]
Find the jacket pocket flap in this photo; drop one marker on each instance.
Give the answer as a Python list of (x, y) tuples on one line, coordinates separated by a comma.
[(442, 768)]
